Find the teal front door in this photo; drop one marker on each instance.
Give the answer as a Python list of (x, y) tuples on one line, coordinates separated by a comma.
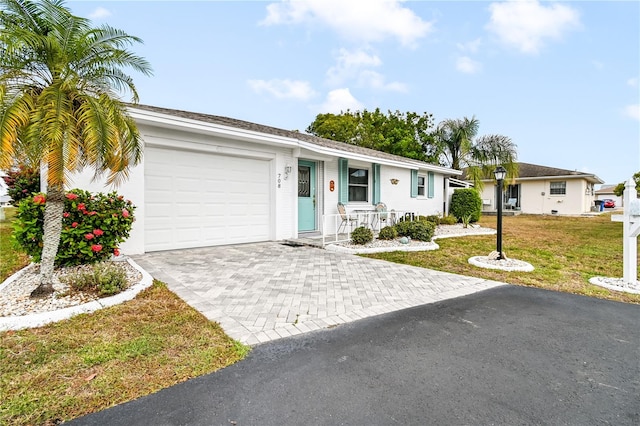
[(307, 196)]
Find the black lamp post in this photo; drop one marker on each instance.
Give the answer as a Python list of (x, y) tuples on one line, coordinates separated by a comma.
[(499, 173)]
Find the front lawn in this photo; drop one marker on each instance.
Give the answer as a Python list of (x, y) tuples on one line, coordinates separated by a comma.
[(10, 259), (93, 361), (565, 251)]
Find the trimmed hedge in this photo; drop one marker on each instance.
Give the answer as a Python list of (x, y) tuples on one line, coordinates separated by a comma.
[(466, 202), (417, 230), (362, 235), (388, 233)]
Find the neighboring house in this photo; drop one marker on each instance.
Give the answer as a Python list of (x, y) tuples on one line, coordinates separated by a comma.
[(544, 190), (4, 197), (606, 192), (206, 180)]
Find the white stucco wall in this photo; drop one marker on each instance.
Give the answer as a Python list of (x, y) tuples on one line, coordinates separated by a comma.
[(535, 197), (397, 197), (283, 191)]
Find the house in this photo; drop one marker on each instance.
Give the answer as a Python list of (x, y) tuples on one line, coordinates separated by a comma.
[(606, 192), (544, 190), (5, 199), (206, 180)]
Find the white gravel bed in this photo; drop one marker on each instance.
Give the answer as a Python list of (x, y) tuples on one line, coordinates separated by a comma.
[(18, 310), (380, 246), (616, 284), (458, 230), (511, 265)]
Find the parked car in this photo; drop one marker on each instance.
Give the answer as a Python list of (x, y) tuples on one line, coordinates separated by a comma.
[(609, 204)]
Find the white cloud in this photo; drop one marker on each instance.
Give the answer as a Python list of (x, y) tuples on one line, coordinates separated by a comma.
[(375, 80), (100, 13), (633, 82), (349, 64), (632, 111), (355, 65), (340, 100), (527, 25), (370, 21), (283, 89), (470, 46), (467, 65)]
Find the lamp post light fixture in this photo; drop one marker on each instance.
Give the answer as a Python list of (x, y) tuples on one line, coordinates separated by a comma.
[(500, 174)]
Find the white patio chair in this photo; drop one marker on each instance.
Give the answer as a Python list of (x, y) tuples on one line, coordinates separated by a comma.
[(346, 218)]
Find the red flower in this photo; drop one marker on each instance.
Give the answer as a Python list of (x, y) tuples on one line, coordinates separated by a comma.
[(91, 213), (89, 236), (116, 252), (98, 232), (39, 199), (71, 196), (81, 206), (74, 224), (96, 247), (125, 213), (65, 214)]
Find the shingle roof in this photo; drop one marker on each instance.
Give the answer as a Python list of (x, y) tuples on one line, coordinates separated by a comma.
[(321, 142), (532, 171), (527, 170)]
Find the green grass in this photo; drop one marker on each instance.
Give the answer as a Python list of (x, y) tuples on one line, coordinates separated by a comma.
[(10, 259), (93, 361), (565, 251)]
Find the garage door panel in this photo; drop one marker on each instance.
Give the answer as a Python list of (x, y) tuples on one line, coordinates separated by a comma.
[(201, 199)]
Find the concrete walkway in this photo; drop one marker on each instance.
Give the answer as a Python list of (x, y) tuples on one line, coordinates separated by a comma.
[(266, 291)]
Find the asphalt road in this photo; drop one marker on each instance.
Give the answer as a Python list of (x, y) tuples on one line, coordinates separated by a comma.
[(506, 356)]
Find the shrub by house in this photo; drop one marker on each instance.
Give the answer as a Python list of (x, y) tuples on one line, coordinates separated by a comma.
[(466, 202), (93, 226)]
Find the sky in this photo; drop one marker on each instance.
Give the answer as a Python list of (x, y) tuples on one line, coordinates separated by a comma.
[(561, 79)]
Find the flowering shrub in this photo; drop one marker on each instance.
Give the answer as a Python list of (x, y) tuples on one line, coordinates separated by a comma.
[(92, 226), (21, 183)]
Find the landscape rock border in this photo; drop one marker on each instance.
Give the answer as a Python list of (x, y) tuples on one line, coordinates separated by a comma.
[(615, 284), (389, 246), (44, 318), (509, 265)]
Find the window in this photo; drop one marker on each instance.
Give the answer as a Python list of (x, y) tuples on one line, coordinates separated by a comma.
[(421, 186), (358, 184), (558, 188), (304, 181)]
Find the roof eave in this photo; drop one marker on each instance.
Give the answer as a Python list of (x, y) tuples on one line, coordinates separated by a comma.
[(181, 123), (408, 164)]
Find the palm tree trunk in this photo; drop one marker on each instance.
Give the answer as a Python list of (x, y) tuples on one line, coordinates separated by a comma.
[(53, 210)]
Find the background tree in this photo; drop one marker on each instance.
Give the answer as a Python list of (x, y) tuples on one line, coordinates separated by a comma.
[(406, 134), (60, 87), (459, 149), (619, 189)]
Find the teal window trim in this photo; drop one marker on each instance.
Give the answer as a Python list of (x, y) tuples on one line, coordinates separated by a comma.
[(414, 183), (431, 184), (343, 180), (376, 183)]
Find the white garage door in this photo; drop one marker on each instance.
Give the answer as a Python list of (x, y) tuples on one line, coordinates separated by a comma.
[(195, 199)]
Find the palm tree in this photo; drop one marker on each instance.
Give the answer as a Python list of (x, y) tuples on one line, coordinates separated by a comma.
[(479, 157), (60, 87)]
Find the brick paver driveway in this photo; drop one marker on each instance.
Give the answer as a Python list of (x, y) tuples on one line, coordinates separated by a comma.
[(266, 291)]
